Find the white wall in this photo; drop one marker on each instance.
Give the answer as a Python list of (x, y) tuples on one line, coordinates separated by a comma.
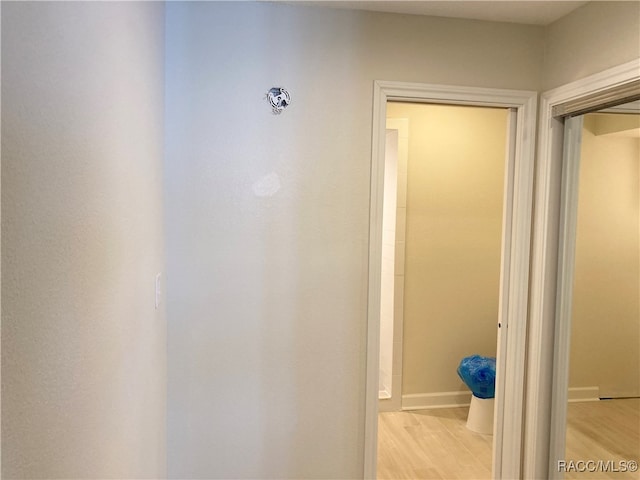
[(83, 348), (268, 292), (593, 38)]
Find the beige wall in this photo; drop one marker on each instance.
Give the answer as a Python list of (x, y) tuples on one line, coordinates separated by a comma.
[(83, 348), (605, 334), (453, 240), (268, 294), (593, 38)]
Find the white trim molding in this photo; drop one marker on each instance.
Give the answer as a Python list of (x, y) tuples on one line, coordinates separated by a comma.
[(547, 363), (584, 394), (427, 401), (514, 288)]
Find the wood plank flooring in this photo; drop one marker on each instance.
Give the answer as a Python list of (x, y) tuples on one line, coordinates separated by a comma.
[(604, 430), (431, 444), (435, 444)]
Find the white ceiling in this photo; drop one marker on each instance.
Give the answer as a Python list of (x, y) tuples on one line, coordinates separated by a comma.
[(527, 12)]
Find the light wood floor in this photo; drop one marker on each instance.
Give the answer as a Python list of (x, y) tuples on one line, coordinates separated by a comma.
[(604, 430), (431, 444), (435, 444)]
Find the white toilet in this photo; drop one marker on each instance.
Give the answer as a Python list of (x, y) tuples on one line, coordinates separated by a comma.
[(480, 418)]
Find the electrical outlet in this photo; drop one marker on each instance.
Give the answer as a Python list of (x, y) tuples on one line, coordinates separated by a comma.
[(158, 290)]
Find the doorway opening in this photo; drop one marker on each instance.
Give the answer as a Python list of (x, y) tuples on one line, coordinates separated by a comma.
[(510, 321), (440, 283), (604, 361)]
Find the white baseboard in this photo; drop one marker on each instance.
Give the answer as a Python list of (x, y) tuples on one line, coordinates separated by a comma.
[(425, 401), (383, 395), (584, 394), (611, 394)]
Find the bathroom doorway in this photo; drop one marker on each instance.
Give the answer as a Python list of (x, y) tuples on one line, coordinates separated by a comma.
[(513, 227), (443, 213)]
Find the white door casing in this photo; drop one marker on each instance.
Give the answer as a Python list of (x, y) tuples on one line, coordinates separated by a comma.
[(514, 286), (503, 307), (566, 266), (552, 277)]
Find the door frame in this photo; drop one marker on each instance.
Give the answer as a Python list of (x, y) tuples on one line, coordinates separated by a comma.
[(552, 277), (519, 174)]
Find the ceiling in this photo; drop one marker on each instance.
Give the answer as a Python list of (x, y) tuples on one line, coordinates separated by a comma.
[(527, 12)]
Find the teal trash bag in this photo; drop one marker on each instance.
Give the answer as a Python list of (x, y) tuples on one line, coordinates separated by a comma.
[(479, 374)]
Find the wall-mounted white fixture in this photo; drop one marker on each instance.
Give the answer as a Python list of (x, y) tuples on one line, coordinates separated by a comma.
[(279, 99), (158, 291)]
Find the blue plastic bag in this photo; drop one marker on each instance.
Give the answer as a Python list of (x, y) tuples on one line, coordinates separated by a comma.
[(479, 374)]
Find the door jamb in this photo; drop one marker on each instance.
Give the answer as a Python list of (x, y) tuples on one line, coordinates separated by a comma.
[(548, 325), (507, 456)]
